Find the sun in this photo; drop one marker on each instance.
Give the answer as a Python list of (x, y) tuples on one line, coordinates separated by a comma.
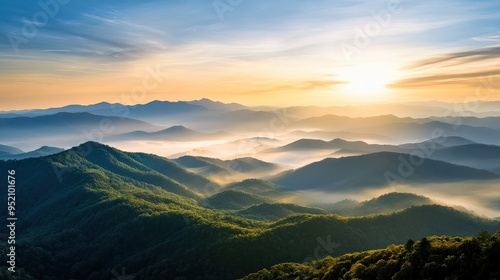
[(368, 81)]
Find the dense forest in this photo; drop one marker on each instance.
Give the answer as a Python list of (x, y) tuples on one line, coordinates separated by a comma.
[(436, 257), (90, 215)]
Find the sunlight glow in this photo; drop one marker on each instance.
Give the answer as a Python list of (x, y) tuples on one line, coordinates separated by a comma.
[(368, 80)]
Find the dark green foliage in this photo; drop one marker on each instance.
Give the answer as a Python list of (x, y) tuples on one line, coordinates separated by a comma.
[(386, 203), (215, 167), (233, 200), (93, 209), (275, 211), (256, 186), (173, 170), (437, 257)]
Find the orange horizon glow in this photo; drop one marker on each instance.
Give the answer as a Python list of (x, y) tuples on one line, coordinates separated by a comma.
[(316, 57)]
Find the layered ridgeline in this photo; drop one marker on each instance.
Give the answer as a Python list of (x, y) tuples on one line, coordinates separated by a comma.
[(90, 211), (228, 171), (40, 152), (376, 170), (383, 204), (9, 150)]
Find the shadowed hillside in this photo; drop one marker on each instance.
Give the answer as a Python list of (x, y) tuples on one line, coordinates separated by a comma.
[(92, 209), (386, 203), (372, 170)]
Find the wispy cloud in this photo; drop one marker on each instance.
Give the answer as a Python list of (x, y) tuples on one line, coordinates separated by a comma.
[(465, 56), (260, 45), (463, 67), (492, 37), (469, 78), (303, 86)]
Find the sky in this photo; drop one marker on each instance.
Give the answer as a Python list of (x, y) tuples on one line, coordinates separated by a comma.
[(259, 52)]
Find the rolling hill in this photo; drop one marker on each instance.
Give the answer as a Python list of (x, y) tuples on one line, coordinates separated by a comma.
[(341, 123), (474, 155), (317, 236), (386, 203), (174, 133), (40, 152), (411, 132), (149, 169), (64, 123), (375, 170), (438, 143), (233, 200), (92, 210), (346, 135), (66, 129), (256, 187), (228, 171), (276, 211), (335, 144), (9, 150), (435, 257)]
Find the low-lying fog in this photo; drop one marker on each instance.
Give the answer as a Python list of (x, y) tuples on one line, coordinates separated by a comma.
[(480, 197)]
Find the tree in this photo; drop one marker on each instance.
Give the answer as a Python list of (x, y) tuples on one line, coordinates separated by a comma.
[(409, 245)]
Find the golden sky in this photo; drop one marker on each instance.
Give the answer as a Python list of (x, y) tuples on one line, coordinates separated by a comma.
[(250, 52)]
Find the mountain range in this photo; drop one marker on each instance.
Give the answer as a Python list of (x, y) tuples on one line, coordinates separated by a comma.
[(78, 204), (386, 203), (422, 110), (228, 171), (14, 153), (208, 190), (210, 120), (174, 133), (376, 170)]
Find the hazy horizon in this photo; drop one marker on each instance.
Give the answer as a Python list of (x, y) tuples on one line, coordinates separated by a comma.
[(250, 139), (253, 53)]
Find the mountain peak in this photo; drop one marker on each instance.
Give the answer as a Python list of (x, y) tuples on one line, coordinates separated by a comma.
[(91, 145), (178, 128), (217, 105)]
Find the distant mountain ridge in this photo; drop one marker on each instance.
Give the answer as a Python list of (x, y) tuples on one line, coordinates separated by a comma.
[(479, 156), (371, 170), (438, 143), (40, 152), (9, 150), (61, 129), (232, 170), (386, 203), (409, 132), (174, 133), (150, 109), (335, 144), (402, 110)]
